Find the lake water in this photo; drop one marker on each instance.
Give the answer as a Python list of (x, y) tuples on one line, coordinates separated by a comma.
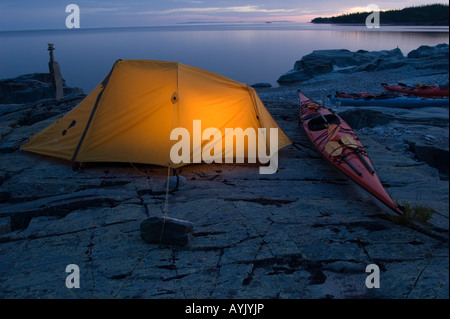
[(246, 53)]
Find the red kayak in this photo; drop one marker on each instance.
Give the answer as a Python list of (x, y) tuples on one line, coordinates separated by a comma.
[(418, 90), (338, 144)]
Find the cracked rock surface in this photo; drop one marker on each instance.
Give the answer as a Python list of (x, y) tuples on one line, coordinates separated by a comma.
[(304, 232)]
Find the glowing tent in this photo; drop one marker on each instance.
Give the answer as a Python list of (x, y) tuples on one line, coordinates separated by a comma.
[(129, 117)]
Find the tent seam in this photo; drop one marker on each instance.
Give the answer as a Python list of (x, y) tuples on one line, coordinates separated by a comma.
[(94, 109)]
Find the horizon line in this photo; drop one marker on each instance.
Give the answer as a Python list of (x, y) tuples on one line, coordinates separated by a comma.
[(214, 23), (177, 24)]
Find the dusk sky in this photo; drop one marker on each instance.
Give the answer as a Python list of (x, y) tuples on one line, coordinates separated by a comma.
[(50, 14)]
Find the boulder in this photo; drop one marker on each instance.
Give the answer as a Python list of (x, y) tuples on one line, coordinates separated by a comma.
[(340, 57), (425, 51), (326, 61), (434, 58), (321, 62), (315, 65), (29, 88), (381, 64), (294, 76)]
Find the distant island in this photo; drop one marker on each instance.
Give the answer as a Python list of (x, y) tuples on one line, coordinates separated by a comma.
[(433, 15)]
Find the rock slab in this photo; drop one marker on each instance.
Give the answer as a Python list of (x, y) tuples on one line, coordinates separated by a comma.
[(302, 233)]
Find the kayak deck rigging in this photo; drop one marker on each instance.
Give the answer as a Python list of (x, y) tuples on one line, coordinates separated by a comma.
[(339, 145)]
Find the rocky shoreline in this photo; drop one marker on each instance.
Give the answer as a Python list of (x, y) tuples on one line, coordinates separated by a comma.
[(302, 233), (340, 63)]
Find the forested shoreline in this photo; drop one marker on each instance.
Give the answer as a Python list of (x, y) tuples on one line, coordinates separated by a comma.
[(435, 14)]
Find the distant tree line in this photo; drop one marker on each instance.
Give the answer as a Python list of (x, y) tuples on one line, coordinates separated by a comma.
[(434, 14)]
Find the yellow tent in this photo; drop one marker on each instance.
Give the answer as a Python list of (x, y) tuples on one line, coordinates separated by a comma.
[(129, 117)]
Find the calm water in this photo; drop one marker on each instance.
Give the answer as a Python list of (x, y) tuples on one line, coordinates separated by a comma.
[(246, 53)]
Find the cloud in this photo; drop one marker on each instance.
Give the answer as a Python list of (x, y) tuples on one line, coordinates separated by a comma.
[(238, 9), (45, 14), (98, 10)]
